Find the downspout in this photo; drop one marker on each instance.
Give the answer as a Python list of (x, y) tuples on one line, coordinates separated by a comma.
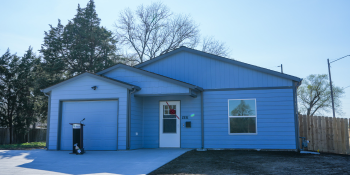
[(48, 121), (202, 120), (296, 117), (129, 118)]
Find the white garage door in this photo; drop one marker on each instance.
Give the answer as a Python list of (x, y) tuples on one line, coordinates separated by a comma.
[(100, 130)]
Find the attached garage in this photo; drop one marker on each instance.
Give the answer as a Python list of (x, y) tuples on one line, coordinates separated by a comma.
[(100, 132), (102, 101)]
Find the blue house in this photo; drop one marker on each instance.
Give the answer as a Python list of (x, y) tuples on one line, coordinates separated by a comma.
[(183, 99)]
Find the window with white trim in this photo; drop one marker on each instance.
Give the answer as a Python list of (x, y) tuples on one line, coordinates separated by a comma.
[(242, 116)]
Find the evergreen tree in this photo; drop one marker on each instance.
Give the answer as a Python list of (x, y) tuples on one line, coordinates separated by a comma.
[(9, 90), (82, 45), (28, 97), (20, 100)]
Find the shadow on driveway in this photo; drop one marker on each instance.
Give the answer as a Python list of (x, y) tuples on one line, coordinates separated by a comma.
[(140, 161), (6, 154)]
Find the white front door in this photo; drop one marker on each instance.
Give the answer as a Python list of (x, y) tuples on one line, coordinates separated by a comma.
[(169, 128)]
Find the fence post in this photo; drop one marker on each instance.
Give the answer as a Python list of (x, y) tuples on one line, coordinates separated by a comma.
[(346, 136), (331, 134), (320, 137), (311, 145), (335, 136), (324, 134), (305, 126), (314, 132), (327, 134), (343, 136), (339, 135), (300, 118)]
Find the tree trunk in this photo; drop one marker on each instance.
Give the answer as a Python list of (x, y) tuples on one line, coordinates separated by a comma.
[(308, 112), (28, 129), (10, 131)]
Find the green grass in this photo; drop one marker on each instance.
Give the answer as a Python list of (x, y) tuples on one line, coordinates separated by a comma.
[(24, 145)]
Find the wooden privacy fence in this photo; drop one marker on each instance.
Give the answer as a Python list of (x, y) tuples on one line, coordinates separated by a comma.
[(326, 134), (35, 135)]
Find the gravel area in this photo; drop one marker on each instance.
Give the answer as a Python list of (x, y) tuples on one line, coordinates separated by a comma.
[(255, 162)]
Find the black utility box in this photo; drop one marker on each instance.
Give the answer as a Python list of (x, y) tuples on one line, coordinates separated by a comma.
[(78, 137), (188, 124)]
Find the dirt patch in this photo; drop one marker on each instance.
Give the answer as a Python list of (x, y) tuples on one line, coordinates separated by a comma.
[(255, 162)]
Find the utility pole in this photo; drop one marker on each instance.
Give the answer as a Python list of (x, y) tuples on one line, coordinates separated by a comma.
[(330, 81)]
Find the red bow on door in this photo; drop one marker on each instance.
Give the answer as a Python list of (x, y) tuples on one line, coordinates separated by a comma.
[(172, 111)]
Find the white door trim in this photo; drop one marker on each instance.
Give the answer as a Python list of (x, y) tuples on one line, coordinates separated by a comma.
[(169, 140)]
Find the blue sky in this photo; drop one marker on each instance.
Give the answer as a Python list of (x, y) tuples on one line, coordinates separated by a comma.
[(299, 34)]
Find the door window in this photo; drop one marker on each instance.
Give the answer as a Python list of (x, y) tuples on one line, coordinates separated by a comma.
[(169, 119)]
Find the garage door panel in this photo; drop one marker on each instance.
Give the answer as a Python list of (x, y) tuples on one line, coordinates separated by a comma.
[(108, 130), (100, 132), (108, 142), (98, 113)]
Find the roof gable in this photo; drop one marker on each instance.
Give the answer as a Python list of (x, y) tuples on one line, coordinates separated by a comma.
[(103, 78), (210, 73), (151, 86), (219, 58), (151, 74)]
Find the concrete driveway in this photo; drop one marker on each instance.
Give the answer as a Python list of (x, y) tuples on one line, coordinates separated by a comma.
[(140, 161)]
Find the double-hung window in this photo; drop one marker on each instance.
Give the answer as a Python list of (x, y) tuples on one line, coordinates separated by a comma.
[(242, 116)]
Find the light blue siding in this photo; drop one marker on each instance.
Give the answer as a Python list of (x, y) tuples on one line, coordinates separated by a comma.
[(136, 132), (149, 85), (81, 89), (190, 137), (275, 120), (212, 74)]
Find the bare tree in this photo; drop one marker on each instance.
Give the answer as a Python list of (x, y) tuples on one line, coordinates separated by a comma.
[(154, 30), (213, 46), (315, 96), (242, 109)]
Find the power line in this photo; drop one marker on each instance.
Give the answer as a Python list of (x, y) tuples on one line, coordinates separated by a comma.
[(340, 58)]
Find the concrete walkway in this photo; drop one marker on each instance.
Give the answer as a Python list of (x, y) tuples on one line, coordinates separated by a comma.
[(31, 162)]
